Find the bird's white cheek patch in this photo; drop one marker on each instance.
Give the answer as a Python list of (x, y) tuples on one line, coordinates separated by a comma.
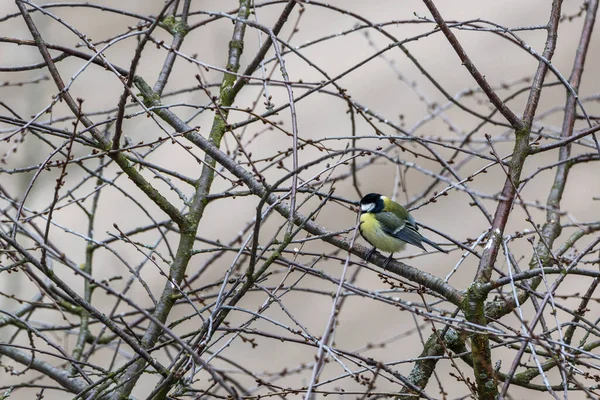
[(367, 207)]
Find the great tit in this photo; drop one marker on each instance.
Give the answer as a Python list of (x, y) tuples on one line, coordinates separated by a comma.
[(387, 226)]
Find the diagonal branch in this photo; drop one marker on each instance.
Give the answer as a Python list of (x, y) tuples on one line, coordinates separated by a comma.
[(426, 279), (105, 144), (515, 121), (62, 376)]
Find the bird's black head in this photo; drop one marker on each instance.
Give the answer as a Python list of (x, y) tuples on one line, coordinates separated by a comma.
[(371, 203)]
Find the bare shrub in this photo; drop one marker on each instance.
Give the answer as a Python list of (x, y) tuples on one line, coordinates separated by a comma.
[(179, 188)]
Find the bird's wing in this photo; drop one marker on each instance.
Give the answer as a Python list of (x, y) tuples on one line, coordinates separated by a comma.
[(405, 231)]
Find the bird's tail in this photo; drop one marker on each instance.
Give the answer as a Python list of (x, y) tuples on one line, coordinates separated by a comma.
[(435, 246)]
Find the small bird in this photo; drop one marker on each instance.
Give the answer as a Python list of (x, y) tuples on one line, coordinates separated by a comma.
[(387, 226)]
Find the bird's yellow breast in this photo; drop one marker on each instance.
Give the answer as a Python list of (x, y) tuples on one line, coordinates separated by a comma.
[(371, 230)]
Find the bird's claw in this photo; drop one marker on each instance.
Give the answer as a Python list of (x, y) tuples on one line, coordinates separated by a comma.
[(387, 261), (369, 254)]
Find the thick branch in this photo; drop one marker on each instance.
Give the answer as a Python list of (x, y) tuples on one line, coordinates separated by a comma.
[(199, 202), (476, 295), (61, 376), (432, 352)]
